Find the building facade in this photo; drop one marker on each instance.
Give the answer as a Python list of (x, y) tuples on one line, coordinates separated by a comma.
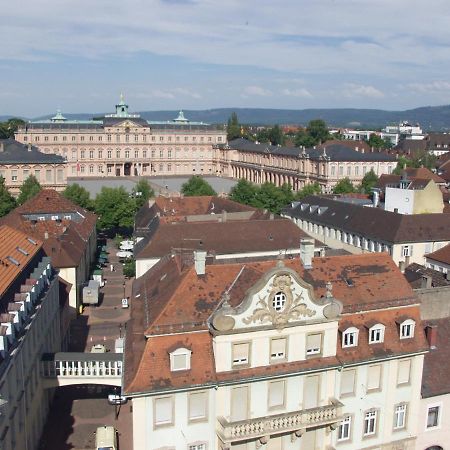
[(123, 144), (18, 161), (274, 354), (360, 229), (29, 326)]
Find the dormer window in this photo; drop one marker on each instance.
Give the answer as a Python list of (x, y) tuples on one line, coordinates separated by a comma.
[(180, 359), (407, 329), (350, 337), (376, 334)]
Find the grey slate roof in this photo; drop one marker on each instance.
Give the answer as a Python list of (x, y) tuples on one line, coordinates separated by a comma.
[(372, 223), (333, 152), (16, 153)]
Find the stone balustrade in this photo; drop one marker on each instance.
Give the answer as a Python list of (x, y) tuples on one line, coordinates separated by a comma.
[(281, 423)]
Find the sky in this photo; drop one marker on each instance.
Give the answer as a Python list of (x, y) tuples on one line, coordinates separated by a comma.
[(79, 55)]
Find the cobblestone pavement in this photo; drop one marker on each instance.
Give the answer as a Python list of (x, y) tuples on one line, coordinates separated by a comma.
[(77, 411)]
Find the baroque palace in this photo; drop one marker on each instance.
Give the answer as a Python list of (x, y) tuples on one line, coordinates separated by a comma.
[(124, 144)]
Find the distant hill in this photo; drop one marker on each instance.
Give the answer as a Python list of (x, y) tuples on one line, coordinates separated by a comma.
[(436, 118)]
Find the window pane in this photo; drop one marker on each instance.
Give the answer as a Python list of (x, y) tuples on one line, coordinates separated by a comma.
[(348, 381), (197, 405), (276, 394), (313, 342), (278, 348), (404, 368), (311, 392), (433, 417), (373, 377), (239, 403), (163, 410), (179, 362), (240, 353)]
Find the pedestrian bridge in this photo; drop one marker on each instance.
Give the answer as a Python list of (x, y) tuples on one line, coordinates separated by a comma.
[(70, 368)]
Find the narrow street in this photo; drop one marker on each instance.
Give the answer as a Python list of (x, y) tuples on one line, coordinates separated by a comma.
[(77, 411)]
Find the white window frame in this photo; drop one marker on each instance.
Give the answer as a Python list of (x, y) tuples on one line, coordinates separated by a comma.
[(314, 351), (279, 301), (400, 412), (376, 333), (168, 422), (350, 337), (198, 446), (345, 429), (407, 324), (278, 356), (180, 352), (406, 250), (370, 423)]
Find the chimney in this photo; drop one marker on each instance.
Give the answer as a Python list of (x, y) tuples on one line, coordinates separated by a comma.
[(432, 336), (426, 282), (29, 146), (307, 252), (200, 261), (401, 266), (46, 235)]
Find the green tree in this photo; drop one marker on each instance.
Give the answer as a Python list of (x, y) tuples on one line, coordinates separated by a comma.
[(115, 209), (318, 130), (233, 127), (368, 182), (79, 195), (376, 141), (243, 192), (142, 192), (196, 185), (303, 139), (7, 201), (273, 198), (29, 189), (276, 135), (8, 128), (344, 186), (309, 189), (129, 268)]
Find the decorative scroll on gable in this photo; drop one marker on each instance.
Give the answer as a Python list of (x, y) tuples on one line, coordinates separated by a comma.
[(128, 124), (279, 299)]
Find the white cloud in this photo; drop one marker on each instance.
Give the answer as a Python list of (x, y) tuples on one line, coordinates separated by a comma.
[(168, 94), (431, 87), (300, 92), (360, 90), (258, 91)]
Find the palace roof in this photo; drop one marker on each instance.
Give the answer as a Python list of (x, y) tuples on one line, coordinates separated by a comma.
[(13, 152)]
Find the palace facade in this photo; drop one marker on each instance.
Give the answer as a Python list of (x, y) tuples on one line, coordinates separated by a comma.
[(124, 144)]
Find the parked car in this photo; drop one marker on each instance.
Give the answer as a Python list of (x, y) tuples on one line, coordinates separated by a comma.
[(106, 438), (98, 348), (115, 399), (125, 303)]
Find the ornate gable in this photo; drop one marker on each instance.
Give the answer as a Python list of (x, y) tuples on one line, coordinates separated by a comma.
[(128, 124), (279, 299)]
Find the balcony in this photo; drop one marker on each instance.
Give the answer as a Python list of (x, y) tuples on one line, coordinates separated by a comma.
[(281, 423)]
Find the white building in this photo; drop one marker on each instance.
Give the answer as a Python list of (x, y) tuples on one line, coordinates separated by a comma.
[(403, 130), (274, 354)]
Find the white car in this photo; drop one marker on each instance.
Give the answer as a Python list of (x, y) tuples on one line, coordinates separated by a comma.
[(115, 399), (98, 348), (124, 254), (125, 303)]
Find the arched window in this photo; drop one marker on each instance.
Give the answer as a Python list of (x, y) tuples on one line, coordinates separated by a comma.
[(407, 329), (376, 333)]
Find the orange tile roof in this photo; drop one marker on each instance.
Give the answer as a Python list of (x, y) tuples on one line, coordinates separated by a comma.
[(10, 241), (172, 299), (442, 255)]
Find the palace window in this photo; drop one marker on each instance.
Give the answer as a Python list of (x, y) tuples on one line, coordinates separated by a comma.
[(370, 423), (376, 334), (108, 138), (345, 429), (400, 417), (313, 344), (91, 154), (82, 138), (91, 169), (136, 154), (144, 153), (127, 154), (118, 154), (64, 138), (161, 153), (55, 138), (278, 301), (82, 169), (407, 329), (14, 175), (169, 153), (350, 337), (82, 154), (109, 154), (153, 153), (241, 354), (127, 138), (100, 154), (169, 167), (73, 138), (161, 138), (180, 359), (91, 138), (100, 139), (136, 138), (277, 349)]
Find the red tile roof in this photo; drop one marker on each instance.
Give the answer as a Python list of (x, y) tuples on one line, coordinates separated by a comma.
[(172, 299), (11, 240), (442, 255), (64, 241)]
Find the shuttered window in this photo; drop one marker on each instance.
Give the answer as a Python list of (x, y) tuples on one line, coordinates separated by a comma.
[(239, 403), (311, 391), (404, 369), (313, 344), (198, 405), (163, 411), (348, 381), (373, 377), (278, 348), (241, 353), (276, 394)]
